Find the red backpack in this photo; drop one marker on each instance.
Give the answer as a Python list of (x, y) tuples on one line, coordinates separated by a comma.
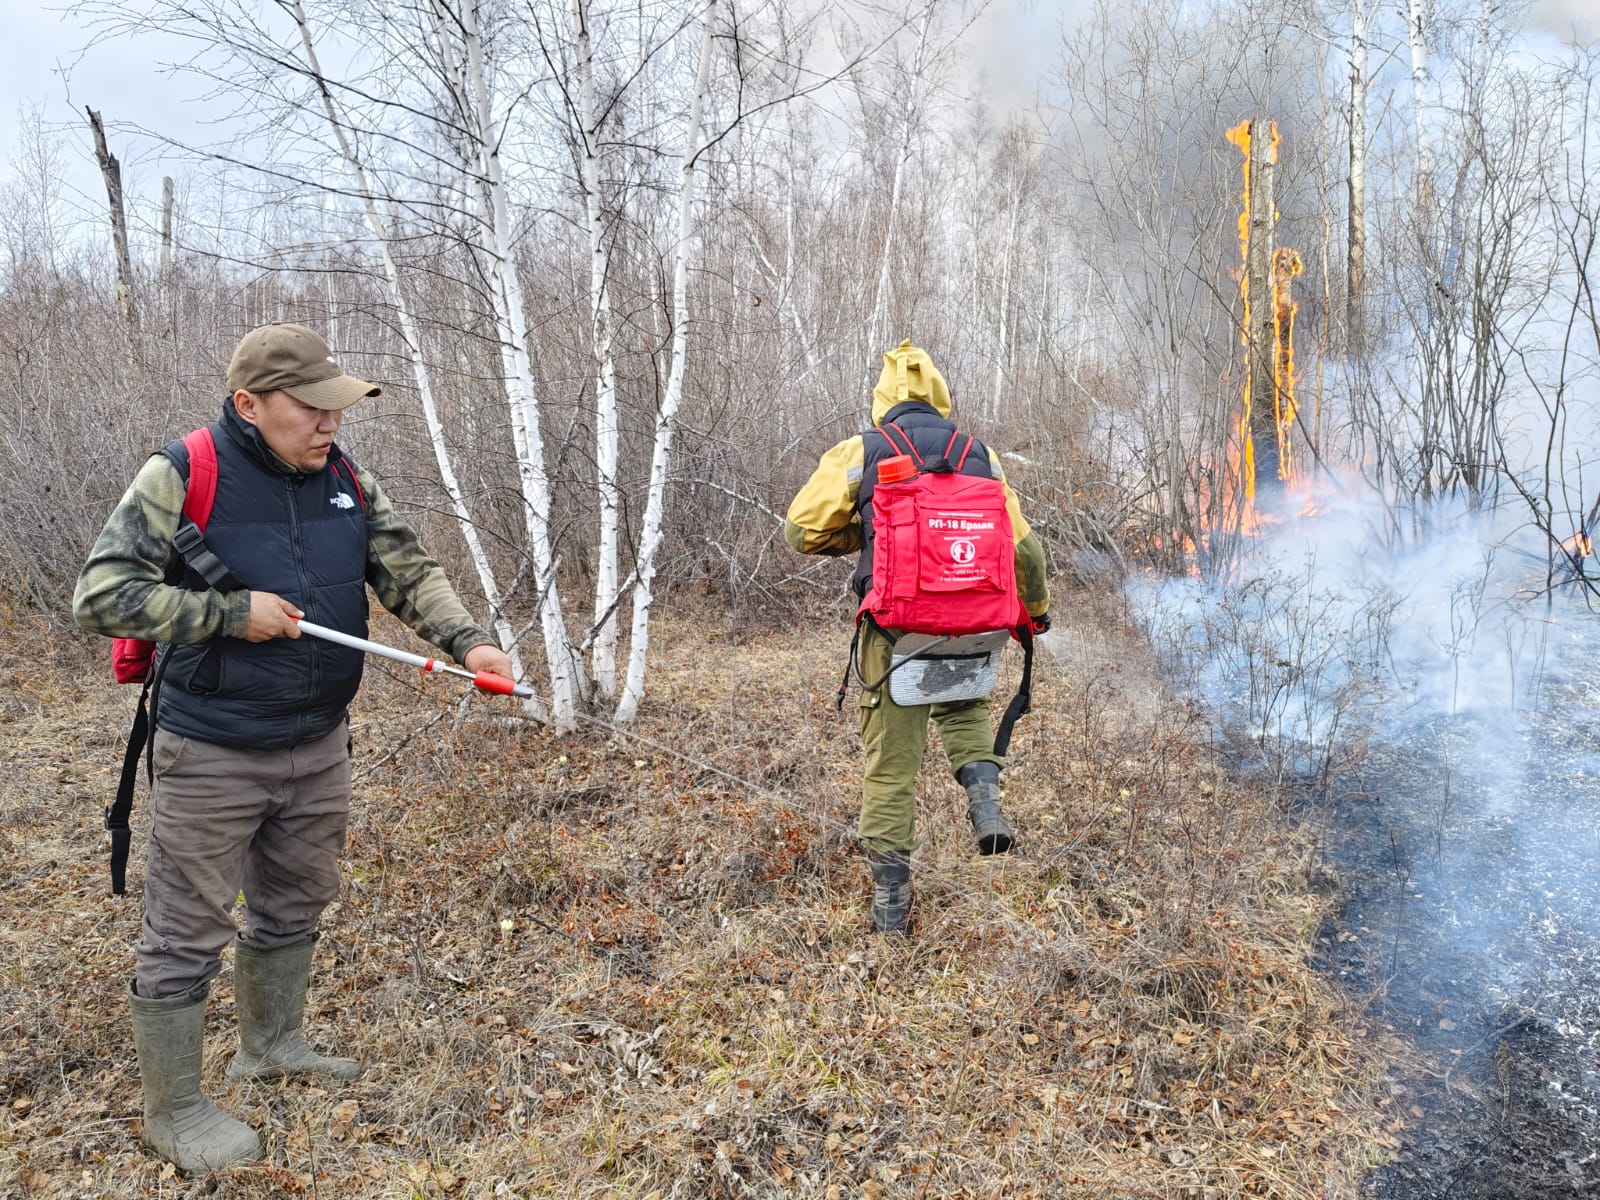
[(943, 562), (131, 657), (943, 554)]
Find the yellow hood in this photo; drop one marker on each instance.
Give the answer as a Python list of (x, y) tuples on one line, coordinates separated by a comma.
[(908, 374)]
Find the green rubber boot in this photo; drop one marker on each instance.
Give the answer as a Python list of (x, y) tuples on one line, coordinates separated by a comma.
[(982, 781), (180, 1124), (891, 890), (269, 987)]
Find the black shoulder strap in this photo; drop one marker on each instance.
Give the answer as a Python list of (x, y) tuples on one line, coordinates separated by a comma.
[(190, 544), (118, 812), (1022, 703)]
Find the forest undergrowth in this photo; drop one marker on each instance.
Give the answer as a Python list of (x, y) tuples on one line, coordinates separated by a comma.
[(638, 964)]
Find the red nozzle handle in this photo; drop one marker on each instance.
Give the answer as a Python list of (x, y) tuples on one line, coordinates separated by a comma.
[(488, 681)]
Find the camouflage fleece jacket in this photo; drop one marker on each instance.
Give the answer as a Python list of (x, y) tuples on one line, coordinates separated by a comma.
[(122, 591)]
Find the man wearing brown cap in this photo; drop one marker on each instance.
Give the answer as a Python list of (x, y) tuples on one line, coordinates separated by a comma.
[(251, 752)]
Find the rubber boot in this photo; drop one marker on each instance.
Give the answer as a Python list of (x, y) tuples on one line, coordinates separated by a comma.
[(180, 1124), (269, 987), (982, 781), (891, 890)]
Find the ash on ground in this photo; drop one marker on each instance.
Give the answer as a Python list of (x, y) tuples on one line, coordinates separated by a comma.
[(1467, 854)]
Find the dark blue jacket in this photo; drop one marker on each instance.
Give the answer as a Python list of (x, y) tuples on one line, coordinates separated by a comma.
[(303, 537)]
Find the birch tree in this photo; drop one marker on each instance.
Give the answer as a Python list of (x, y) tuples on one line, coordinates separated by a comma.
[(411, 336), (260, 67), (911, 112), (1419, 20), (1362, 15), (485, 132), (665, 428), (607, 590)]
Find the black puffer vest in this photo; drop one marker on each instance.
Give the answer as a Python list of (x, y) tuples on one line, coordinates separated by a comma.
[(930, 434), (303, 537)]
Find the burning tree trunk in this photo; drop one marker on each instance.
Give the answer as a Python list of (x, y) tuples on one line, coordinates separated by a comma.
[(1267, 327), (1286, 265), (1260, 342), (111, 169)]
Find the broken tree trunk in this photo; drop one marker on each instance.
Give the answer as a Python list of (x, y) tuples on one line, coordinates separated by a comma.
[(111, 170)]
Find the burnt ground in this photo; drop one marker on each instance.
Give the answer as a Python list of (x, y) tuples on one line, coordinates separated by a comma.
[(1465, 850)]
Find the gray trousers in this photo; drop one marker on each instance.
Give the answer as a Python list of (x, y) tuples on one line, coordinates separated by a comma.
[(269, 823)]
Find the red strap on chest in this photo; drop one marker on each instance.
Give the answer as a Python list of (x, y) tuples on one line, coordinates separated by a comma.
[(361, 496)]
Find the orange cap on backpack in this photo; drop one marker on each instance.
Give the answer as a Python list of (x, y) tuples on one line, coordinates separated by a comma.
[(893, 470)]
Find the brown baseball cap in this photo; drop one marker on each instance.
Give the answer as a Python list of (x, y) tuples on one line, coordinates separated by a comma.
[(293, 359)]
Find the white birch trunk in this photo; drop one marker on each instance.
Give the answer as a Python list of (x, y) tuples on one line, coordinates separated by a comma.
[(603, 663), (566, 672), (1356, 231), (666, 418), (1488, 20), (783, 285), (1418, 15), (410, 334), (788, 289), (881, 288), (1002, 335)]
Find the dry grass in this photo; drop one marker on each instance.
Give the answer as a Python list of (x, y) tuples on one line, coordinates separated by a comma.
[(637, 964)]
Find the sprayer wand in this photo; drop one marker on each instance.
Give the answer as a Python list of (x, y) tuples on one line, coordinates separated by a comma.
[(486, 681)]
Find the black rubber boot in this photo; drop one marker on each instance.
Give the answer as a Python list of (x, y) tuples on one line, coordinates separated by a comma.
[(270, 989), (982, 781), (891, 890), (180, 1124)]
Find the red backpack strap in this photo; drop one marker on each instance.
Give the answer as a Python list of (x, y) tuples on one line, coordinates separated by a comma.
[(349, 472), (910, 446), (202, 492)]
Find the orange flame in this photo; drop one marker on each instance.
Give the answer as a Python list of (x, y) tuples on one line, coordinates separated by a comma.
[(1286, 264)]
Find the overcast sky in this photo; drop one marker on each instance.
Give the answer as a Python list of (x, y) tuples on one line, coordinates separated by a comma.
[(1009, 50)]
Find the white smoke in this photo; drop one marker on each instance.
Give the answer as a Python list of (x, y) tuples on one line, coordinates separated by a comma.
[(1344, 620)]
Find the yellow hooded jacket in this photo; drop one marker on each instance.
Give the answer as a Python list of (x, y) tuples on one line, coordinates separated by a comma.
[(822, 517)]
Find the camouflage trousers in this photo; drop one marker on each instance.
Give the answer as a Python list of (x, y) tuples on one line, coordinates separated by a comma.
[(895, 738)]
